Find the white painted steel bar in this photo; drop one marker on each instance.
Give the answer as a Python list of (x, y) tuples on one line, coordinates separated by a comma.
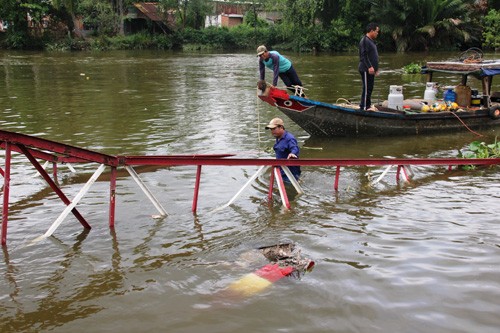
[(409, 169), (146, 191), (260, 171), (405, 174), (292, 179), (382, 175), (70, 167), (73, 203), (281, 188), (44, 167)]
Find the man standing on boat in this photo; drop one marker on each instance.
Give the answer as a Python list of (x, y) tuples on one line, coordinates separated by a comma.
[(281, 67), (285, 146), (368, 65)]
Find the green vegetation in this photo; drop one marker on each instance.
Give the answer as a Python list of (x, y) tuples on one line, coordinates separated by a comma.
[(478, 149), (305, 25), (491, 31), (412, 68)]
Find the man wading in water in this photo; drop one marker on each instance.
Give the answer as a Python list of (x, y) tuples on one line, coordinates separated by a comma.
[(286, 146)]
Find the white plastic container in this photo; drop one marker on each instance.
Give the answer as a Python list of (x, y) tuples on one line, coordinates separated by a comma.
[(430, 91), (395, 98)]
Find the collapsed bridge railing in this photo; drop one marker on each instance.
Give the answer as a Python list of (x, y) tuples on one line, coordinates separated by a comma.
[(35, 149)]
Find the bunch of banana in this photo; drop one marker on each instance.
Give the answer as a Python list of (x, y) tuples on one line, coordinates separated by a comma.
[(438, 107)]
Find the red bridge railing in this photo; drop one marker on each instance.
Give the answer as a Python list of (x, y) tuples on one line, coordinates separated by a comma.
[(56, 153)]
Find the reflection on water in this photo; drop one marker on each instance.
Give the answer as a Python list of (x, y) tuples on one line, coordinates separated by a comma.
[(393, 256)]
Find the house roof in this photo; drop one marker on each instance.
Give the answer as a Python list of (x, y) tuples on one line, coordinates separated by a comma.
[(150, 9)]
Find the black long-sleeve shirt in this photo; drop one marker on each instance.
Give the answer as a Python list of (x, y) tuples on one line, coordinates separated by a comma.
[(368, 54)]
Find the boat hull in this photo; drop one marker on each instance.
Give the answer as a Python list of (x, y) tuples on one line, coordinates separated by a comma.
[(331, 120)]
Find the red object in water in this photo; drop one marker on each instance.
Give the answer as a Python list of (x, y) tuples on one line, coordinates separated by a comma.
[(273, 272)]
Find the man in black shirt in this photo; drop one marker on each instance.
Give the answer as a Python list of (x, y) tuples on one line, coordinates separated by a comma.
[(368, 65)]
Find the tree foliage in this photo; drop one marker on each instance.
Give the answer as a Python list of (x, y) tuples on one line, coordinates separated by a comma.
[(15, 12), (491, 31), (305, 25), (100, 16), (424, 24), (189, 13)]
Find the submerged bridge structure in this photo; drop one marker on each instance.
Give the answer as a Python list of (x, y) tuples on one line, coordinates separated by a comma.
[(37, 149)]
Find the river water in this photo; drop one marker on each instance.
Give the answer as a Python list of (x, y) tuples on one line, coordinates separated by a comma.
[(390, 256)]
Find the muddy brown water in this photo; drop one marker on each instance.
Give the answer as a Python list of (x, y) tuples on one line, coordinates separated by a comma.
[(390, 257)]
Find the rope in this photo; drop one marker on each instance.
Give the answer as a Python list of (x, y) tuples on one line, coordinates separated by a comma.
[(259, 139), (348, 102), (472, 55), (299, 90), (476, 133)]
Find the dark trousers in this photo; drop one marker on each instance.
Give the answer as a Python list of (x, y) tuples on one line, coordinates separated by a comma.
[(367, 81), (290, 78)]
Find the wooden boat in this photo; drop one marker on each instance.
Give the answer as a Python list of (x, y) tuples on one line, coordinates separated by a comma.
[(343, 120)]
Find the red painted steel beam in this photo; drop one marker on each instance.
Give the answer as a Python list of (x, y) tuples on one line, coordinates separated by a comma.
[(6, 193), (196, 189), (56, 147), (47, 156), (162, 159), (54, 172), (54, 186), (271, 186), (337, 175), (82, 155), (112, 197), (150, 160)]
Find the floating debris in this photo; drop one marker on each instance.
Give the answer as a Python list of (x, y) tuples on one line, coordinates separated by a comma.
[(287, 255), (285, 260)]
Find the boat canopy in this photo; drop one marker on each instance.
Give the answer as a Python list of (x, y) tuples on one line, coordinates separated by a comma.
[(477, 69), (483, 70), (490, 72)]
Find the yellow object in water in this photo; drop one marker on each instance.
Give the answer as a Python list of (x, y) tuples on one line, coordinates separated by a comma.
[(425, 108), (249, 284)]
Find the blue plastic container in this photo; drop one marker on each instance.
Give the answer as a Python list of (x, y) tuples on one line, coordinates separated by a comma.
[(450, 96)]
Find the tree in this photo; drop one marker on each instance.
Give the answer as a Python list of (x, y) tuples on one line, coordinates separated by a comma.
[(119, 7), (68, 6), (16, 12), (190, 13), (100, 16), (420, 24), (491, 29)]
